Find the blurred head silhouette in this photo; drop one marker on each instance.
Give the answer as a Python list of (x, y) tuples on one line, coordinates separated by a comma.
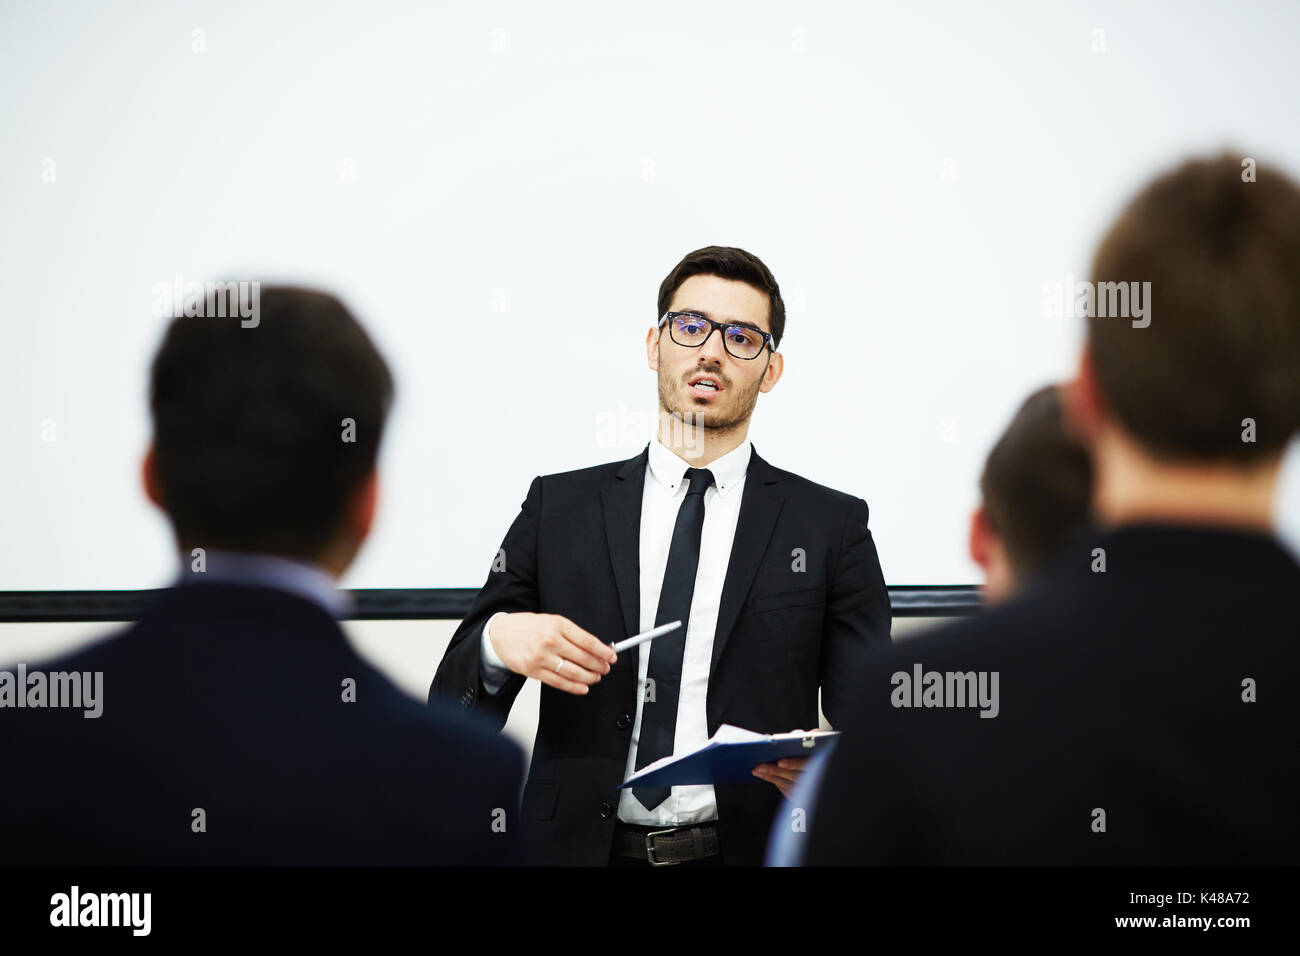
[(266, 437), (1034, 493), (1187, 413)]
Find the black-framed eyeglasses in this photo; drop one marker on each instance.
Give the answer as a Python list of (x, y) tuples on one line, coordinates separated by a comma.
[(692, 330)]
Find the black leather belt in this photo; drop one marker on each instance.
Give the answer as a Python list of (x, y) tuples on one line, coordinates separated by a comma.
[(669, 846)]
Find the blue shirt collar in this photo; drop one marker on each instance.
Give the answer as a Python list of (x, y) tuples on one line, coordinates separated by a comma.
[(300, 578), (1286, 502)]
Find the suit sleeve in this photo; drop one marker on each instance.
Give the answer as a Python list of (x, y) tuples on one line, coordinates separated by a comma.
[(511, 586), (858, 614)]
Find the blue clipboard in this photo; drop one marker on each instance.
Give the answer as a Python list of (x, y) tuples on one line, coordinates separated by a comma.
[(722, 762)]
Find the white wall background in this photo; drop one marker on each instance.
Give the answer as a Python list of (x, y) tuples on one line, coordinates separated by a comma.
[(466, 175)]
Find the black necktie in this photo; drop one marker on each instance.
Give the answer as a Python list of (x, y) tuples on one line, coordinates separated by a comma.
[(659, 716)]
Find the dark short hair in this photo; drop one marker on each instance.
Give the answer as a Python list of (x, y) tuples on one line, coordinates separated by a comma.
[(249, 422), (1037, 484), (727, 262), (1223, 344)]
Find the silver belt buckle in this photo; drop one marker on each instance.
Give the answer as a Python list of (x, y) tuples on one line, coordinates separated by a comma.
[(650, 849)]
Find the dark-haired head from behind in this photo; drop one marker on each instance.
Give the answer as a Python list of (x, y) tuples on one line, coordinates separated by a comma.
[(1036, 492), (266, 438)]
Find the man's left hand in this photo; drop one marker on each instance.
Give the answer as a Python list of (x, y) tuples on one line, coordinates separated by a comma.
[(783, 774)]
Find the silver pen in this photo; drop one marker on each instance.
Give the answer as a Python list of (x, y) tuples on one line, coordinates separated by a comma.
[(644, 636)]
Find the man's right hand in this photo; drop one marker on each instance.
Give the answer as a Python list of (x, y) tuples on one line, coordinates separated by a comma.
[(552, 649)]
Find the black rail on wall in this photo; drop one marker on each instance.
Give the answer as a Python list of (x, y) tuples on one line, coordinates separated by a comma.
[(395, 604)]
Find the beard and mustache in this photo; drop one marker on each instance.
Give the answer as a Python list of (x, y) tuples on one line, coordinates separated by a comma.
[(711, 417)]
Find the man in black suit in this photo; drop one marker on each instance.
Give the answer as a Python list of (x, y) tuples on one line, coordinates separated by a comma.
[(235, 723), (775, 579), (1135, 704)]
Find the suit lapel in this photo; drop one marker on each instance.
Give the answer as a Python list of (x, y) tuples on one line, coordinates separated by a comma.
[(759, 507), (621, 500)]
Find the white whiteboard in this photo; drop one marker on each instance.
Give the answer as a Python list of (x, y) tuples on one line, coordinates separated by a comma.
[(463, 171)]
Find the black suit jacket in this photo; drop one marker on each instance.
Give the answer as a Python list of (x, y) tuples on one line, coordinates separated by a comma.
[(1119, 691), (574, 550), (230, 699)]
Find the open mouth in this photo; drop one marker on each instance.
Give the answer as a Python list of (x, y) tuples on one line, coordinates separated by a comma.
[(705, 386)]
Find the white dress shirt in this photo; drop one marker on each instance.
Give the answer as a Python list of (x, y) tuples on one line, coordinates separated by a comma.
[(663, 494)]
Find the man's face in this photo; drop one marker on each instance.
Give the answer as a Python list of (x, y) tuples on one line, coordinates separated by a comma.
[(681, 368)]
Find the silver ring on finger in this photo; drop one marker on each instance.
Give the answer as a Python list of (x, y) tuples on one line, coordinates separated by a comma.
[(560, 665)]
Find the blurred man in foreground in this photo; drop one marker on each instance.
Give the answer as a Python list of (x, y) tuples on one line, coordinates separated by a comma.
[(1133, 706), (1034, 499), (235, 723)]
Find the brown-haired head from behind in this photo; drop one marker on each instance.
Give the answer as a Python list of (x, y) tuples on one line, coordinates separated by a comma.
[(1035, 496), (1186, 412)]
